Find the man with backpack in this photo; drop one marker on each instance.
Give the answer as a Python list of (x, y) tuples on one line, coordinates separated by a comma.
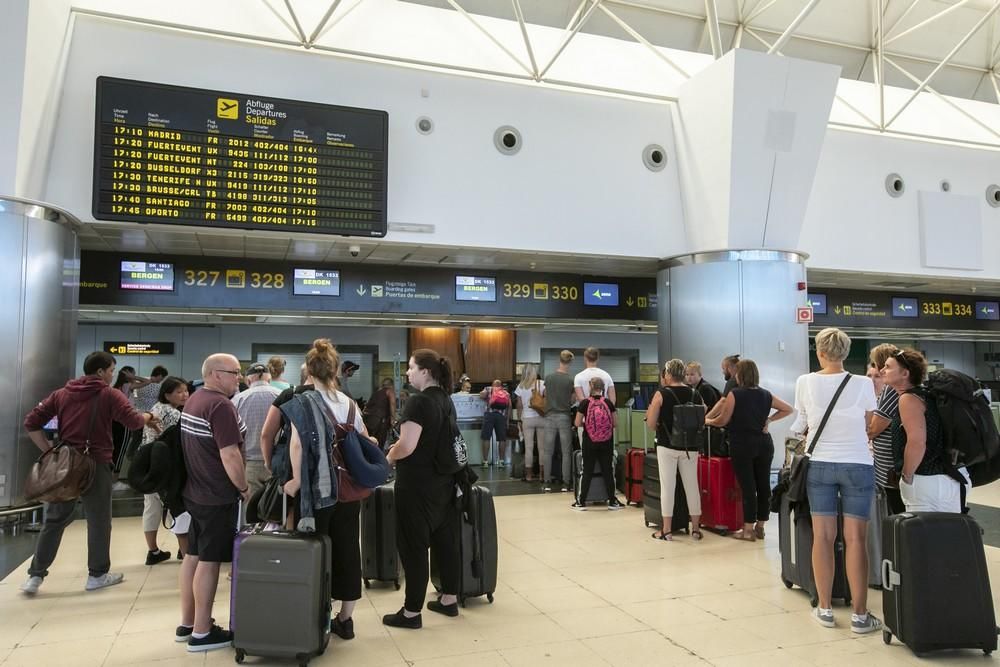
[(596, 414), (85, 407)]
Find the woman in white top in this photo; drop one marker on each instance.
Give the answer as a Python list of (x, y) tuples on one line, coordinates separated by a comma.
[(533, 424), (841, 470)]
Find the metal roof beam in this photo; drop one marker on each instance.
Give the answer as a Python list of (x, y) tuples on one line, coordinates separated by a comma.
[(572, 33), (712, 21), (790, 30), (322, 22), (524, 33), (928, 21), (489, 35), (958, 47), (642, 40)]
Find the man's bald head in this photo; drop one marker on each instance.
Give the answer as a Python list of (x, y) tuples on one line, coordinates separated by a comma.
[(220, 361)]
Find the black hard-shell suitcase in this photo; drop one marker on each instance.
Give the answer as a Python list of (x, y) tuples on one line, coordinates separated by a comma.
[(379, 556), (651, 509), (281, 595), (597, 492), (795, 541), (936, 587), (472, 584)]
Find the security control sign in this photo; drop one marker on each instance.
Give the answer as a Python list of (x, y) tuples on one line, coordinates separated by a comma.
[(123, 348)]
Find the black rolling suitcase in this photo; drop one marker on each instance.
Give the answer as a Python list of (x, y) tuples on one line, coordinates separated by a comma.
[(478, 578), (936, 587), (651, 508), (795, 541), (596, 493), (281, 595), (379, 557)]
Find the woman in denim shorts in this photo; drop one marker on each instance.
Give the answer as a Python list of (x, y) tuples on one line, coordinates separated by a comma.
[(840, 473)]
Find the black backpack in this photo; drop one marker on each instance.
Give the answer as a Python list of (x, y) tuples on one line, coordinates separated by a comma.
[(158, 467), (689, 422), (970, 434)]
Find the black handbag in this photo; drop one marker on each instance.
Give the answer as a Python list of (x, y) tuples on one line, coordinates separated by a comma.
[(799, 468)]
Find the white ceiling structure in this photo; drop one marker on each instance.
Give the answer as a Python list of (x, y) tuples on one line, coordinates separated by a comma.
[(921, 69)]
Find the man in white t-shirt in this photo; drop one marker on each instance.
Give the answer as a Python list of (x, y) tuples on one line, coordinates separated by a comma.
[(581, 383)]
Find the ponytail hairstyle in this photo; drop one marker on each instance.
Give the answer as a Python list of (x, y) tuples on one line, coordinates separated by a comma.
[(439, 367), (323, 362)]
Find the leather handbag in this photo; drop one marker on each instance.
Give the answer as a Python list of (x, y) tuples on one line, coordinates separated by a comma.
[(799, 468), (64, 472), (348, 490), (537, 400)]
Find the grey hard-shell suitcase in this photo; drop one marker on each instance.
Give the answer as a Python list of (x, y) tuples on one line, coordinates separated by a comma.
[(936, 585), (484, 582), (379, 556), (880, 510), (795, 541), (597, 492), (281, 595)]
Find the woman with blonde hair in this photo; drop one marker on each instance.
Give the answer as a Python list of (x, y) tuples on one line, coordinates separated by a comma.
[(673, 451), (841, 478), (533, 423)]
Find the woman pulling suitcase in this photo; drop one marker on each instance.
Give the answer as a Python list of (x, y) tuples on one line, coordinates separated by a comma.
[(340, 521), (426, 512)]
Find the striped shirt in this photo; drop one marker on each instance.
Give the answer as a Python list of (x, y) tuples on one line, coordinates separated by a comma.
[(252, 406), (209, 423), (888, 408)]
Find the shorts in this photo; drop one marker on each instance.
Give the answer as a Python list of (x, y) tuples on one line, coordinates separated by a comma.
[(854, 483), (494, 423), (213, 529)]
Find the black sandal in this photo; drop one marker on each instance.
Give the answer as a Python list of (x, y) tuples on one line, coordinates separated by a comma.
[(666, 537), (696, 535)]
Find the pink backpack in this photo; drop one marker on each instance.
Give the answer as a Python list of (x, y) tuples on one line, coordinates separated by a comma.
[(597, 422)]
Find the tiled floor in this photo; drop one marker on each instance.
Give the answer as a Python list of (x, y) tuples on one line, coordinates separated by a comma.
[(575, 589)]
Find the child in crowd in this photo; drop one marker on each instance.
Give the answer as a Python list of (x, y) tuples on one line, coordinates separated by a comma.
[(596, 414)]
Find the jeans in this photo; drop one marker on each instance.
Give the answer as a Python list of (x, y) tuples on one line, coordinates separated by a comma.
[(533, 427), (97, 509), (855, 483), (558, 424), (752, 456)]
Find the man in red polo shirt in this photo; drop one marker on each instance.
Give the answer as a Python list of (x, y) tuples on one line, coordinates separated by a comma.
[(85, 407)]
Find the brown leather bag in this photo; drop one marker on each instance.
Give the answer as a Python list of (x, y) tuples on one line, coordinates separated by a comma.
[(65, 472), (537, 401)]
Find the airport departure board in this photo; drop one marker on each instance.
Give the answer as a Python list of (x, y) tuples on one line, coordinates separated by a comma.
[(173, 155)]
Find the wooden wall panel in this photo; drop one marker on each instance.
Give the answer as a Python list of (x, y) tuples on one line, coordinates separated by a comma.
[(446, 342), (489, 354)]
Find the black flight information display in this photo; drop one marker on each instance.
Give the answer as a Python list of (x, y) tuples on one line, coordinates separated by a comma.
[(173, 155), (153, 276), (475, 288), (316, 282)]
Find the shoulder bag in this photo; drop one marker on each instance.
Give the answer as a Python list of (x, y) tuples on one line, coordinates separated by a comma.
[(348, 490), (537, 401), (799, 468), (63, 473)]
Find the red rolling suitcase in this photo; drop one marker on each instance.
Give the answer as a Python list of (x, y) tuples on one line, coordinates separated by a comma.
[(634, 460), (721, 498)]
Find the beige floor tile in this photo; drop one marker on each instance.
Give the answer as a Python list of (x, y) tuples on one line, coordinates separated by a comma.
[(534, 579), (600, 622), (83, 626), (664, 614), (14, 628), (555, 553), (162, 619), (485, 659), (761, 659), (833, 654), (83, 652), (791, 629), (733, 604), (457, 638), (549, 600), (717, 639), (147, 647), (641, 649), (568, 653), (514, 632)]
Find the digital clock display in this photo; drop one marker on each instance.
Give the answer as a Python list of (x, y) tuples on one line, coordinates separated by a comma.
[(185, 156)]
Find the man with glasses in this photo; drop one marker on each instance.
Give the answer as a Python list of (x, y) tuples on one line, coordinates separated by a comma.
[(212, 436)]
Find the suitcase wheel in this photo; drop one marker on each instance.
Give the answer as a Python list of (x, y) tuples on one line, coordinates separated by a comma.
[(396, 582), (887, 637), (787, 583), (987, 651), (489, 596), (241, 655), (368, 584), (462, 600)]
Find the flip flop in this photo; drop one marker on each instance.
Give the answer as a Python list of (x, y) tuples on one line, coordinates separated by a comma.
[(696, 535), (758, 532), (743, 537), (666, 537)]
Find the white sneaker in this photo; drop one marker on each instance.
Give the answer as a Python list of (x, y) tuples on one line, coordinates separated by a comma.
[(824, 617), (105, 580), (119, 486), (30, 587)]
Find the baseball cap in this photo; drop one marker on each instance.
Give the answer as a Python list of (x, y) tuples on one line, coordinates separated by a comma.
[(349, 366)]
